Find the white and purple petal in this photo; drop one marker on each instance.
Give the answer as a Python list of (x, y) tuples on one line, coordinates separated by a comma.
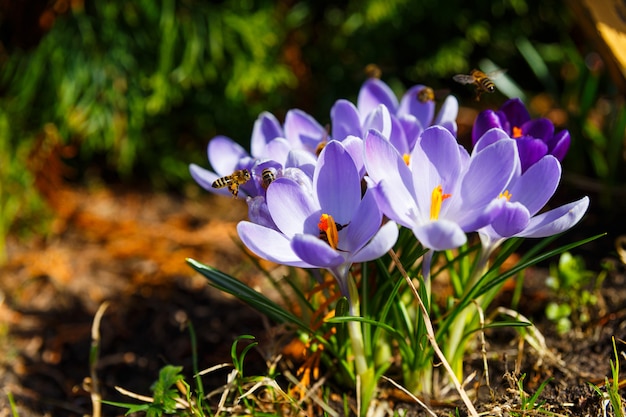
[(225, 155), (537, 185), (345, 120), (337, 182), (265, 129), (316, 252), (440, 234), (380, 244), (269, 244), (374, 92), (292, 208), (303, 131), (557, 220)]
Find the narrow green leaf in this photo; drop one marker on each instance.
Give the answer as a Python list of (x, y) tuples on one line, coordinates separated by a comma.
[(246, 294), (385, 326)]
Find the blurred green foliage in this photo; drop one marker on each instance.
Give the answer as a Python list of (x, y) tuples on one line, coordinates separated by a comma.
[(140, 87)]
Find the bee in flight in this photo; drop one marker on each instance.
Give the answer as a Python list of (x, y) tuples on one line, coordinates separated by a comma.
[(481, 80), (425, 95), (233, 181), (373, 71), (267, 176)]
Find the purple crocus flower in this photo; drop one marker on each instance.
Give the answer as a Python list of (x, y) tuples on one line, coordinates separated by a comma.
[(443, 193), (271, 146), (375, 91), (523, 199), (535, 137), (330, 226)]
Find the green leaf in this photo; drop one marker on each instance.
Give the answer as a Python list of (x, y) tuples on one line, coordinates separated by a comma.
[(365, 320), (164, 394), (246, 294), (132, 408)]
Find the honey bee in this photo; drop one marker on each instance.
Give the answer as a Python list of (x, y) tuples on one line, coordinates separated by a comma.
[(425, 95), (482, 81), (320, 146), (233, 181), (267, 177), (373, 71)]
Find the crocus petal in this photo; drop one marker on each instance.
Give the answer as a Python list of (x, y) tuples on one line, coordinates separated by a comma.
[(440, 235), (291, 207), (363, 225), (515, 112), (557, 220), (490, 170), (269, 244), (559, 144), (205, 179), (382, 161), (354, 146), (304, 160), (315, 251), (443, 152), (490, 136), (530, 151), (266, 128), (345, 120), (412, 129), (537, 185), (258, 212), (476, 218), (485, 121), (411, 105), (302, 130), (277, 149), (375, 92), (378, 119), (395, 201), (541, 128), (337, 182), (397, 137), (225, 154), (448, 113), (380, 244), (512, 220)]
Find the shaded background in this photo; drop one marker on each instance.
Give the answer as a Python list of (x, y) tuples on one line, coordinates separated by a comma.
[(134, 90), (103, 104)]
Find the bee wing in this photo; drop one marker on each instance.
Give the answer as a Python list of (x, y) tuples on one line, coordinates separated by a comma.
[(496, 73), (464, 78)]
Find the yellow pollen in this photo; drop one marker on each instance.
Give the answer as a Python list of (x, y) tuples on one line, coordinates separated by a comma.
[(436, 199), (517, 132), (328, 230), (407, 158), (505, 194)]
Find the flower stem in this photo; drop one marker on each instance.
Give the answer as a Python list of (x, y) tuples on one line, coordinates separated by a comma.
[(364, 372), (455, 347)]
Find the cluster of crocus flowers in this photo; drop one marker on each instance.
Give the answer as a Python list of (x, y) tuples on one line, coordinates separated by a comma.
[(327, 197), (315, 212)]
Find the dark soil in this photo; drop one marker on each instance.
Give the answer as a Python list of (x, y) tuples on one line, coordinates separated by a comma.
[(129, 249)]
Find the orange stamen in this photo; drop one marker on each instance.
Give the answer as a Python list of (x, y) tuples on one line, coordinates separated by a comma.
[(436, 200), (407, 158), (517, 132), (505, 194), (328, 229)]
